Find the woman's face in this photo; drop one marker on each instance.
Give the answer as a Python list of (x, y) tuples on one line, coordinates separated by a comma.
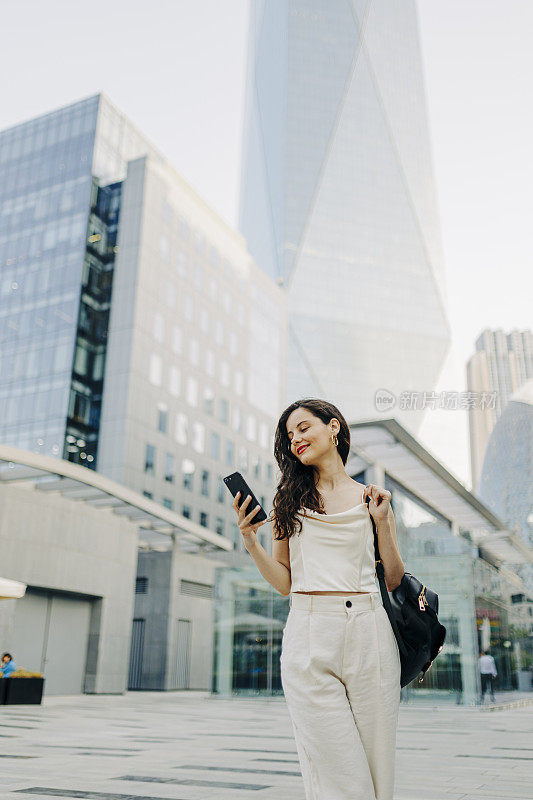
[(309, 437)]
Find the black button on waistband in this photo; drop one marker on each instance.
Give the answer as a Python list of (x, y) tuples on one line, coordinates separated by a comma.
[(349, 603)]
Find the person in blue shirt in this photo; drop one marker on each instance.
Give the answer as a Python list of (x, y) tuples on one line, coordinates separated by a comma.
[(8, 665)]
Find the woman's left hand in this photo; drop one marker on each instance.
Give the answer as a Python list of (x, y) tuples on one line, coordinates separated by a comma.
[(379, 501)]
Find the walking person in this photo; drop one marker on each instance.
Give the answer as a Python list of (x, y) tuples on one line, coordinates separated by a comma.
[(487, 671), (340, 662)]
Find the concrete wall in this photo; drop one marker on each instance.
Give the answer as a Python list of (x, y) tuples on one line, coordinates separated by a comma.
[(51, 542), (170, 607)]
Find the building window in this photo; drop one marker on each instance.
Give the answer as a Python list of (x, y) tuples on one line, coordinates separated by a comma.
[(236, 534), (177, 339), (263, 435), (215, 446), (169, 468), (194, 351), (141, 585), (149, 459), (219, 526), (209, 401), (269, 472), (162, 418), (155, 370), (205, 482), (187, 307), (181, 264), (170, 295), (233, 343), (167, 503), (181, 428), (198, 436), (230, 452), (159, 327), (219, 332), (203, 519), (239, 383), (192, 391), (224, 373), (221, 489), (164, 248), (187, 470), (204, 320), (237, 419), (147, 494), (210, 362), (198, 277), (227, 302), (257, 467), (243, 459), (223, 409), (186, 511), (174, 381), (250, 427)]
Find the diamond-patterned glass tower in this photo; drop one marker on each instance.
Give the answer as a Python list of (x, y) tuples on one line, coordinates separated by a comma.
[(338, 198)]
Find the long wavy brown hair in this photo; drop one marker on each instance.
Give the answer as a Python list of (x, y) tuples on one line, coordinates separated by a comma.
[(297, 486)]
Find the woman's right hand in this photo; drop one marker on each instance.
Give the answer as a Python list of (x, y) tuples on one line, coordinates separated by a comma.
[(248, 531)]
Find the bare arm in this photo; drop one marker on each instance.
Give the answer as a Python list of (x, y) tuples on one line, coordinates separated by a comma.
[(276, 568), (389, 552)]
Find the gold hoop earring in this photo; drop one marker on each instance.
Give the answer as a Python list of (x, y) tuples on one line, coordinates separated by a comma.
[(334, 439)]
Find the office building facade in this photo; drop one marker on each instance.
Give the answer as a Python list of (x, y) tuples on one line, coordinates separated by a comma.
[(137, 336), (338, 200), (500, 366)]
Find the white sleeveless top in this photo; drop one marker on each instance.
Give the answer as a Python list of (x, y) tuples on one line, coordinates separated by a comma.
[(334, 552)]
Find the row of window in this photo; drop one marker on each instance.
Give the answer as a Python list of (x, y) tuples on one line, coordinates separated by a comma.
[(176, 335), (188, 468), (203, 517), (155, 376), (198, 431)]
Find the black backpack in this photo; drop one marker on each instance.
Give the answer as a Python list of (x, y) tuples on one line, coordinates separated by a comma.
[(412, 609)]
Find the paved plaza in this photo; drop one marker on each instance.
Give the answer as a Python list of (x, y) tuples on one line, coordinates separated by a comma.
[(191, 746)]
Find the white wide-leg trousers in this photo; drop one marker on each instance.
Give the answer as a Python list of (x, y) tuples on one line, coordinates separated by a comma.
[(340, 673)]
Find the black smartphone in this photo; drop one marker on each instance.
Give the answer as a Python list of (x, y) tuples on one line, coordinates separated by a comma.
[(236, 483)]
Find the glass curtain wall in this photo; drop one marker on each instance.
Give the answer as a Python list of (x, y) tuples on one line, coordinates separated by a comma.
[(45, 186), (444, 562)]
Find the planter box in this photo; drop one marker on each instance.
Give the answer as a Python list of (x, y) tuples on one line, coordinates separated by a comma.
[(3, 689), (22, 691)]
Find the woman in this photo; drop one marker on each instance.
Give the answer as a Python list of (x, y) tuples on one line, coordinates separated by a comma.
[(340, 662)]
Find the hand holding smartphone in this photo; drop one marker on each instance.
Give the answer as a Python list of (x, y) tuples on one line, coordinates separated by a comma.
[(236, 483)]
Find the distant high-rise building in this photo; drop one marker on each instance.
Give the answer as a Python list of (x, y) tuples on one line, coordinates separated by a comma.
[(506, 484), (501, 364), (338, 200), (137, 336)]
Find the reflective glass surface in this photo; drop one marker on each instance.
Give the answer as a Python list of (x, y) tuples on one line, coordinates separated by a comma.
[(338, 199), (45, 187)]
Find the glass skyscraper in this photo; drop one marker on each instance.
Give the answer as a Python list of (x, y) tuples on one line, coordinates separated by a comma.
[(506, 484), (58, 228), (137, 335), (338, 200)]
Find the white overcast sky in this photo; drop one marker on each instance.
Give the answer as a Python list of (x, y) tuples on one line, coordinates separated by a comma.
[(176, 68)]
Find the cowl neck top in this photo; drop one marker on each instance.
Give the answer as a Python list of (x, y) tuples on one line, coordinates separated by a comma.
[(334, 552)]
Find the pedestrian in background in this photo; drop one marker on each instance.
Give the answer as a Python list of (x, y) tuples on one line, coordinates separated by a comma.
[(487, 670), (8, 665)]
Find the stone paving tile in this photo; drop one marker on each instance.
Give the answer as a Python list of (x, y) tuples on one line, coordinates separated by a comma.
[(193, 746)]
